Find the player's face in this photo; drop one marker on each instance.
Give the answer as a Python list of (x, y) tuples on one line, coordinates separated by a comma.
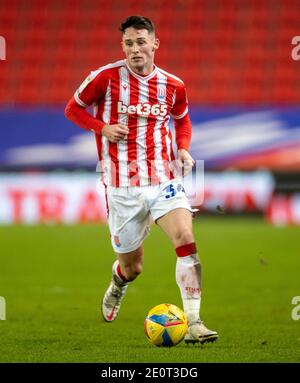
[(139, 47)]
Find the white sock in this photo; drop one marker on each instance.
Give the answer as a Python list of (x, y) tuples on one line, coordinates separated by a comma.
[(188, 278), (116, 273)]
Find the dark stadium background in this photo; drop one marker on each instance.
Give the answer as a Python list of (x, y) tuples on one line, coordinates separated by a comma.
[(242, 75)]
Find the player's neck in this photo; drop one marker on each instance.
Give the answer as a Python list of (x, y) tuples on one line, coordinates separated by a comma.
[(144, 71)]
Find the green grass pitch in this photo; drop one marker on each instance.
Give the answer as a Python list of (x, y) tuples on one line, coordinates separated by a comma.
[(53, 278)]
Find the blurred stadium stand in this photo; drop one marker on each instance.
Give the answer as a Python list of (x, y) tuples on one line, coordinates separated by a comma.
[(227, 52), (233, 55)]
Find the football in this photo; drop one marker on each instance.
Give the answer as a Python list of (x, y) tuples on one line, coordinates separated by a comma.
[(165, 325)]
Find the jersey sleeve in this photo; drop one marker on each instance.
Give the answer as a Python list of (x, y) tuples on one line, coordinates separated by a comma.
[(80, 116), (92, 89), (183, 129), (180, 106)]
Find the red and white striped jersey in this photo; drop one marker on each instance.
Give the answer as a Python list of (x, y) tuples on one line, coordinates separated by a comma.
[(144, 104)]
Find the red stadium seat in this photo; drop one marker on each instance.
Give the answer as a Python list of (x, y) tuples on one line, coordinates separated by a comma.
[(226, 52)]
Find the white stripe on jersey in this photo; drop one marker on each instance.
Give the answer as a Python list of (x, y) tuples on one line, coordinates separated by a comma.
[(159, 166), (123, 119), (100, 169), (105, 143), (181, 115), (174, 95), (77, 99), (169, 74), (91, 77), (95, 109), (142, 124), (168, 141)]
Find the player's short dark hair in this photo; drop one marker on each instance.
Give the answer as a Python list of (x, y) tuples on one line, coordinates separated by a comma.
[(137, 22)]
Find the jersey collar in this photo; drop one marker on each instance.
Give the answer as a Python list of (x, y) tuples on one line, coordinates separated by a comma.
[(139, 77)]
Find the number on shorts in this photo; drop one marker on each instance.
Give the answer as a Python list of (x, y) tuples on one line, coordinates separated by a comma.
[(180, 188), (171, 192)]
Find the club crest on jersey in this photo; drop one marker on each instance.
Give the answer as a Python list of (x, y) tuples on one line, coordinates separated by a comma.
[(143, 109), (161, 93)]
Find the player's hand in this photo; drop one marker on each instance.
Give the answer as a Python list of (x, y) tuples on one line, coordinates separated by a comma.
[(185, 161), (115, 133)]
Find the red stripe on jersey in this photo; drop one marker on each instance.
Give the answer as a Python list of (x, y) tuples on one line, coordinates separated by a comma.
[(164, 150), (170, 92), (99, 109), (164, 153), (99, 148), (113, 147), (132, 136), (106, 200), (152, 176), (171, 151), (163, 131)]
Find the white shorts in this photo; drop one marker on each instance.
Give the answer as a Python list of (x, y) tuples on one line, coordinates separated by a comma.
[(129, 210)]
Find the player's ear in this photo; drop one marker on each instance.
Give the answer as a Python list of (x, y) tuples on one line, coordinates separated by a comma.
[(156, 44), (122, 46)]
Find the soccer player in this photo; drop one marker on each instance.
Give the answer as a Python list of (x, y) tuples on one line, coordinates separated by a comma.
[(133, 100)]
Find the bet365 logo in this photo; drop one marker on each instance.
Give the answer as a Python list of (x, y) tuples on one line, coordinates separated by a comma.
[(2, 309), (143, 109)]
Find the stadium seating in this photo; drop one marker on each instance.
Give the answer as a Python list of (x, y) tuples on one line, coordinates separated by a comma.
[(227, 52)]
